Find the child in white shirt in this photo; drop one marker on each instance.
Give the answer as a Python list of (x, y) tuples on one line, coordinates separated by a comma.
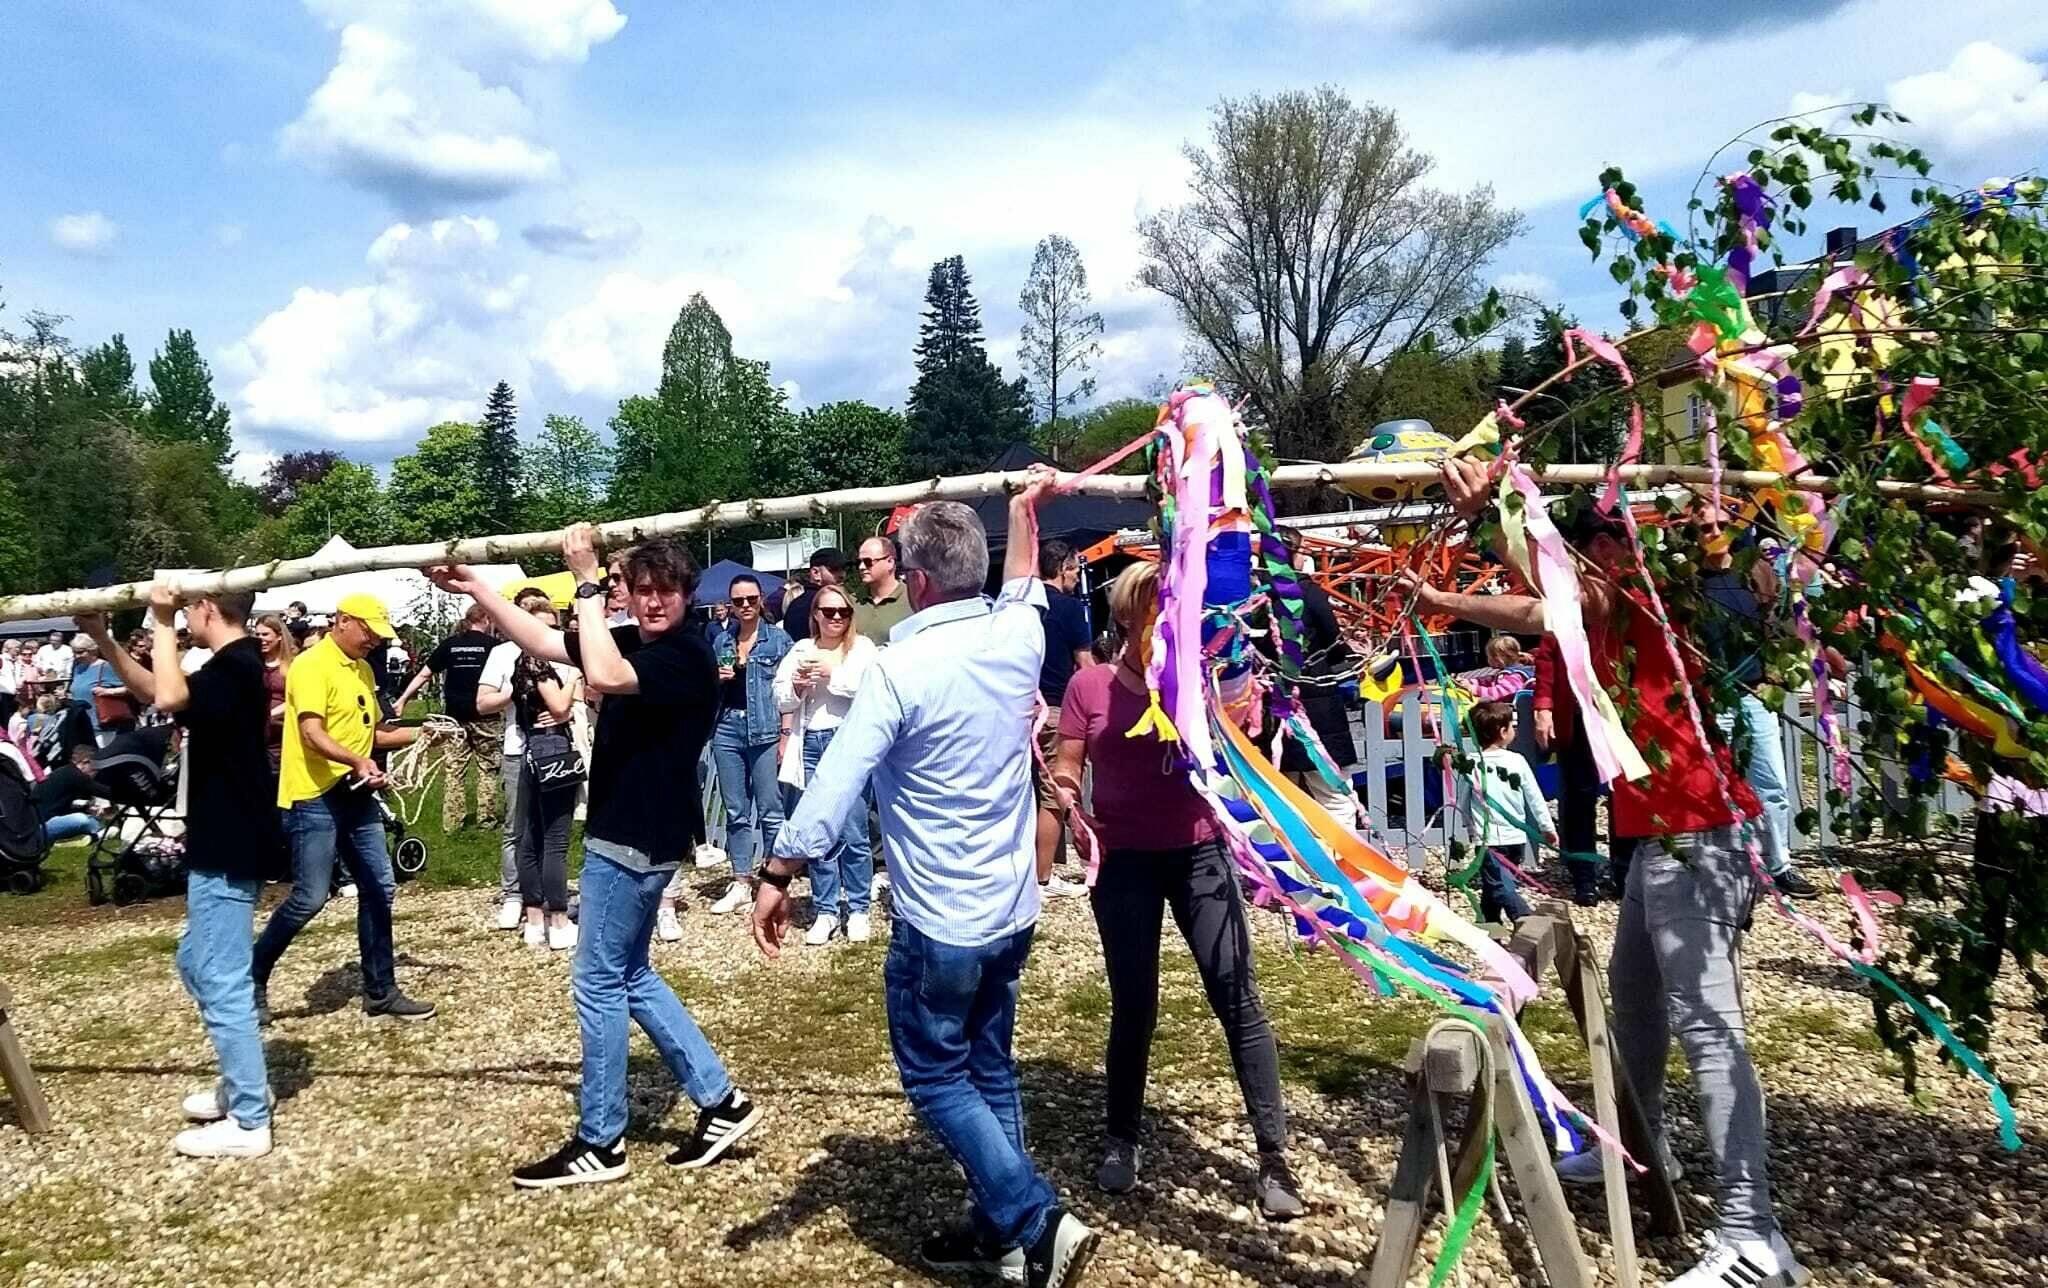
[(1500, 808)]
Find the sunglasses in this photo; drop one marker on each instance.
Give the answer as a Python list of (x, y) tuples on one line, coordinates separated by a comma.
[(738, 600), (835, 614), (869, 563)]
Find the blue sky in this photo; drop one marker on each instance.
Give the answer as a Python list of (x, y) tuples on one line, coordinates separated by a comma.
[(371, 210)]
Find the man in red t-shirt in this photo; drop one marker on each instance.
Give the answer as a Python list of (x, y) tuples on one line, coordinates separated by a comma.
[(1675, 969)]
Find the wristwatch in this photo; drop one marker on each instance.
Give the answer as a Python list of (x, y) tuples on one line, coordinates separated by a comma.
[(591, 589), (780, 880)]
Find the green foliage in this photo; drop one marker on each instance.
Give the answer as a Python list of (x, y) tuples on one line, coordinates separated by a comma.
[(1450, 392), (345, 502), (566, 474), (962, 413), (699, 437), (289, 474), (497, 462), (18, 561), (182, 408), (1957, 294), (186, 512), (108, 371), (438, 491), (1101, 430)]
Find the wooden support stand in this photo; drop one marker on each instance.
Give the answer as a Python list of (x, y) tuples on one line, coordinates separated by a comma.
[(29, 1105), (1461, 1061)]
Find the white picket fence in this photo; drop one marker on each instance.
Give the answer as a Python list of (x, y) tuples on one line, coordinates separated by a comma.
[(1410, 757)]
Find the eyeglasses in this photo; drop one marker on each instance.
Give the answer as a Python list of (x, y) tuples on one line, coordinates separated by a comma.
[(741, 600), (869, 563), (835, 614)]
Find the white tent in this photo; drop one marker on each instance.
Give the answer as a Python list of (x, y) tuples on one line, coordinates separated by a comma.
[(407, 595)]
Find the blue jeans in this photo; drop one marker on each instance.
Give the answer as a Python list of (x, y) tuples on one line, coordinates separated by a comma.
[(612, 982), (344, 822), (1759, 744), (64, 827), (843, 880), (214, 961), (753, 797), (951, 1014), (1499, 893)]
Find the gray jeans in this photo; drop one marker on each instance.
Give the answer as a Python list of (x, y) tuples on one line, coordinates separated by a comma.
[(1677, 971), (512, 779)]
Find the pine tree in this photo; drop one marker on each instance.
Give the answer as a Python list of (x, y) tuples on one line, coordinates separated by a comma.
[(182, 408), (961, 413), (497, 459)]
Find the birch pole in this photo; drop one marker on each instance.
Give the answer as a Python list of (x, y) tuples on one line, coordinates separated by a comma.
[(966, 487)]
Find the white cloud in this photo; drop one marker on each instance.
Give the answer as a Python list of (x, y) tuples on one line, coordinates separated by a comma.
[(251, 464), (429, 100), (376, 363), (1985, 97), (610, 344), (84, 232), (230, 235), (1536, 286), (585, 234)]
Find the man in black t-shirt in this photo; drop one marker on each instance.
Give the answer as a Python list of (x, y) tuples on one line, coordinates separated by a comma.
[(1068, 641), (459, 661), (828, 568), (660, 686), (234, 841)]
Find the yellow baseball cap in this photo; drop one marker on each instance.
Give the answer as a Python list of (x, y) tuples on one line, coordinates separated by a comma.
[(369, 610)]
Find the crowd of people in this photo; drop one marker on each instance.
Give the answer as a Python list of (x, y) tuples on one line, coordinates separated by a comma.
[(969, 726)]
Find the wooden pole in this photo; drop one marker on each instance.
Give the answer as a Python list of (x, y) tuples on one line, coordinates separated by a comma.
[(966, 487)]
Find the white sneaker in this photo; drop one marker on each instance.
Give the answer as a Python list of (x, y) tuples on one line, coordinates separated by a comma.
[(858, 931), (1746, 1263), (737, 896), (710, 856), (510, 913), (204, 1106), (821, 930), (534, 934), (347, 891), (563, 937), (667, 925), (1058, 887), (224, 1139), (1583, 1168)]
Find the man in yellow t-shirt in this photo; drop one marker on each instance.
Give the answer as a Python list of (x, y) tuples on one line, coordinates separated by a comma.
[(327, 788)]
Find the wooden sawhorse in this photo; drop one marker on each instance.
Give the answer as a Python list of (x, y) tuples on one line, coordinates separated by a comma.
[(29, 1105), (1459, 1060)]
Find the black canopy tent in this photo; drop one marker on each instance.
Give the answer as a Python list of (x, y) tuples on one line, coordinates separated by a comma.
[(1080, 521)]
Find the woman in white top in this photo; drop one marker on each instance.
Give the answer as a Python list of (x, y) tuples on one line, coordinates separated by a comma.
[(814, 687), (12, 671)]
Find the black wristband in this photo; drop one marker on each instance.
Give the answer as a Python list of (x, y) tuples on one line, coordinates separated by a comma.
[(780, 880)]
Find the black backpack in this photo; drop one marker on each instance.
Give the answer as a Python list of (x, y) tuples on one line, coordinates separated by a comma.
[(21, 829)]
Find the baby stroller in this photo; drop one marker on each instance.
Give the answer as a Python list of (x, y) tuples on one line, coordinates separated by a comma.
[(23, 842), (141, 851)]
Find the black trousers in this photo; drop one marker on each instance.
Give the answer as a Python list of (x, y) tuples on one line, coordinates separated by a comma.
[(543, 853), (1578, 805), (1132, 892)]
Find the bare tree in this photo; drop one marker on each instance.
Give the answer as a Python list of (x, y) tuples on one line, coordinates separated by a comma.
[(1313, 251), (1059, 335)]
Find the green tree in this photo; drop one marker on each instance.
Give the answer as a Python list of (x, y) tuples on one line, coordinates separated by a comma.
[(345, 502), (1451, 392), (20, 568), (699, 437), (1312, 250), (437, 490), (839, 445), (1060, 336), (566, 476), (1101, 430), (497, 462), (182, 408), (186, 513), (108, 371), (961, 412)]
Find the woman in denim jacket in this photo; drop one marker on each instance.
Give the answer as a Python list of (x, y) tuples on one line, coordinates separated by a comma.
[(743, 743)]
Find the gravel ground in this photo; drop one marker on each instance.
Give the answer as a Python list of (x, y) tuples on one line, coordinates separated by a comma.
[(394, 1142)]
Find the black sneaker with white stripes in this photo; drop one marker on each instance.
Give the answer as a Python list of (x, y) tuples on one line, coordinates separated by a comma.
[(577, 1163), (718, 1129)]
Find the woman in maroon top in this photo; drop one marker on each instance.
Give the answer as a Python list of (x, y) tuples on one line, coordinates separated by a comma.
[(275, 639), (1164, 850)]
